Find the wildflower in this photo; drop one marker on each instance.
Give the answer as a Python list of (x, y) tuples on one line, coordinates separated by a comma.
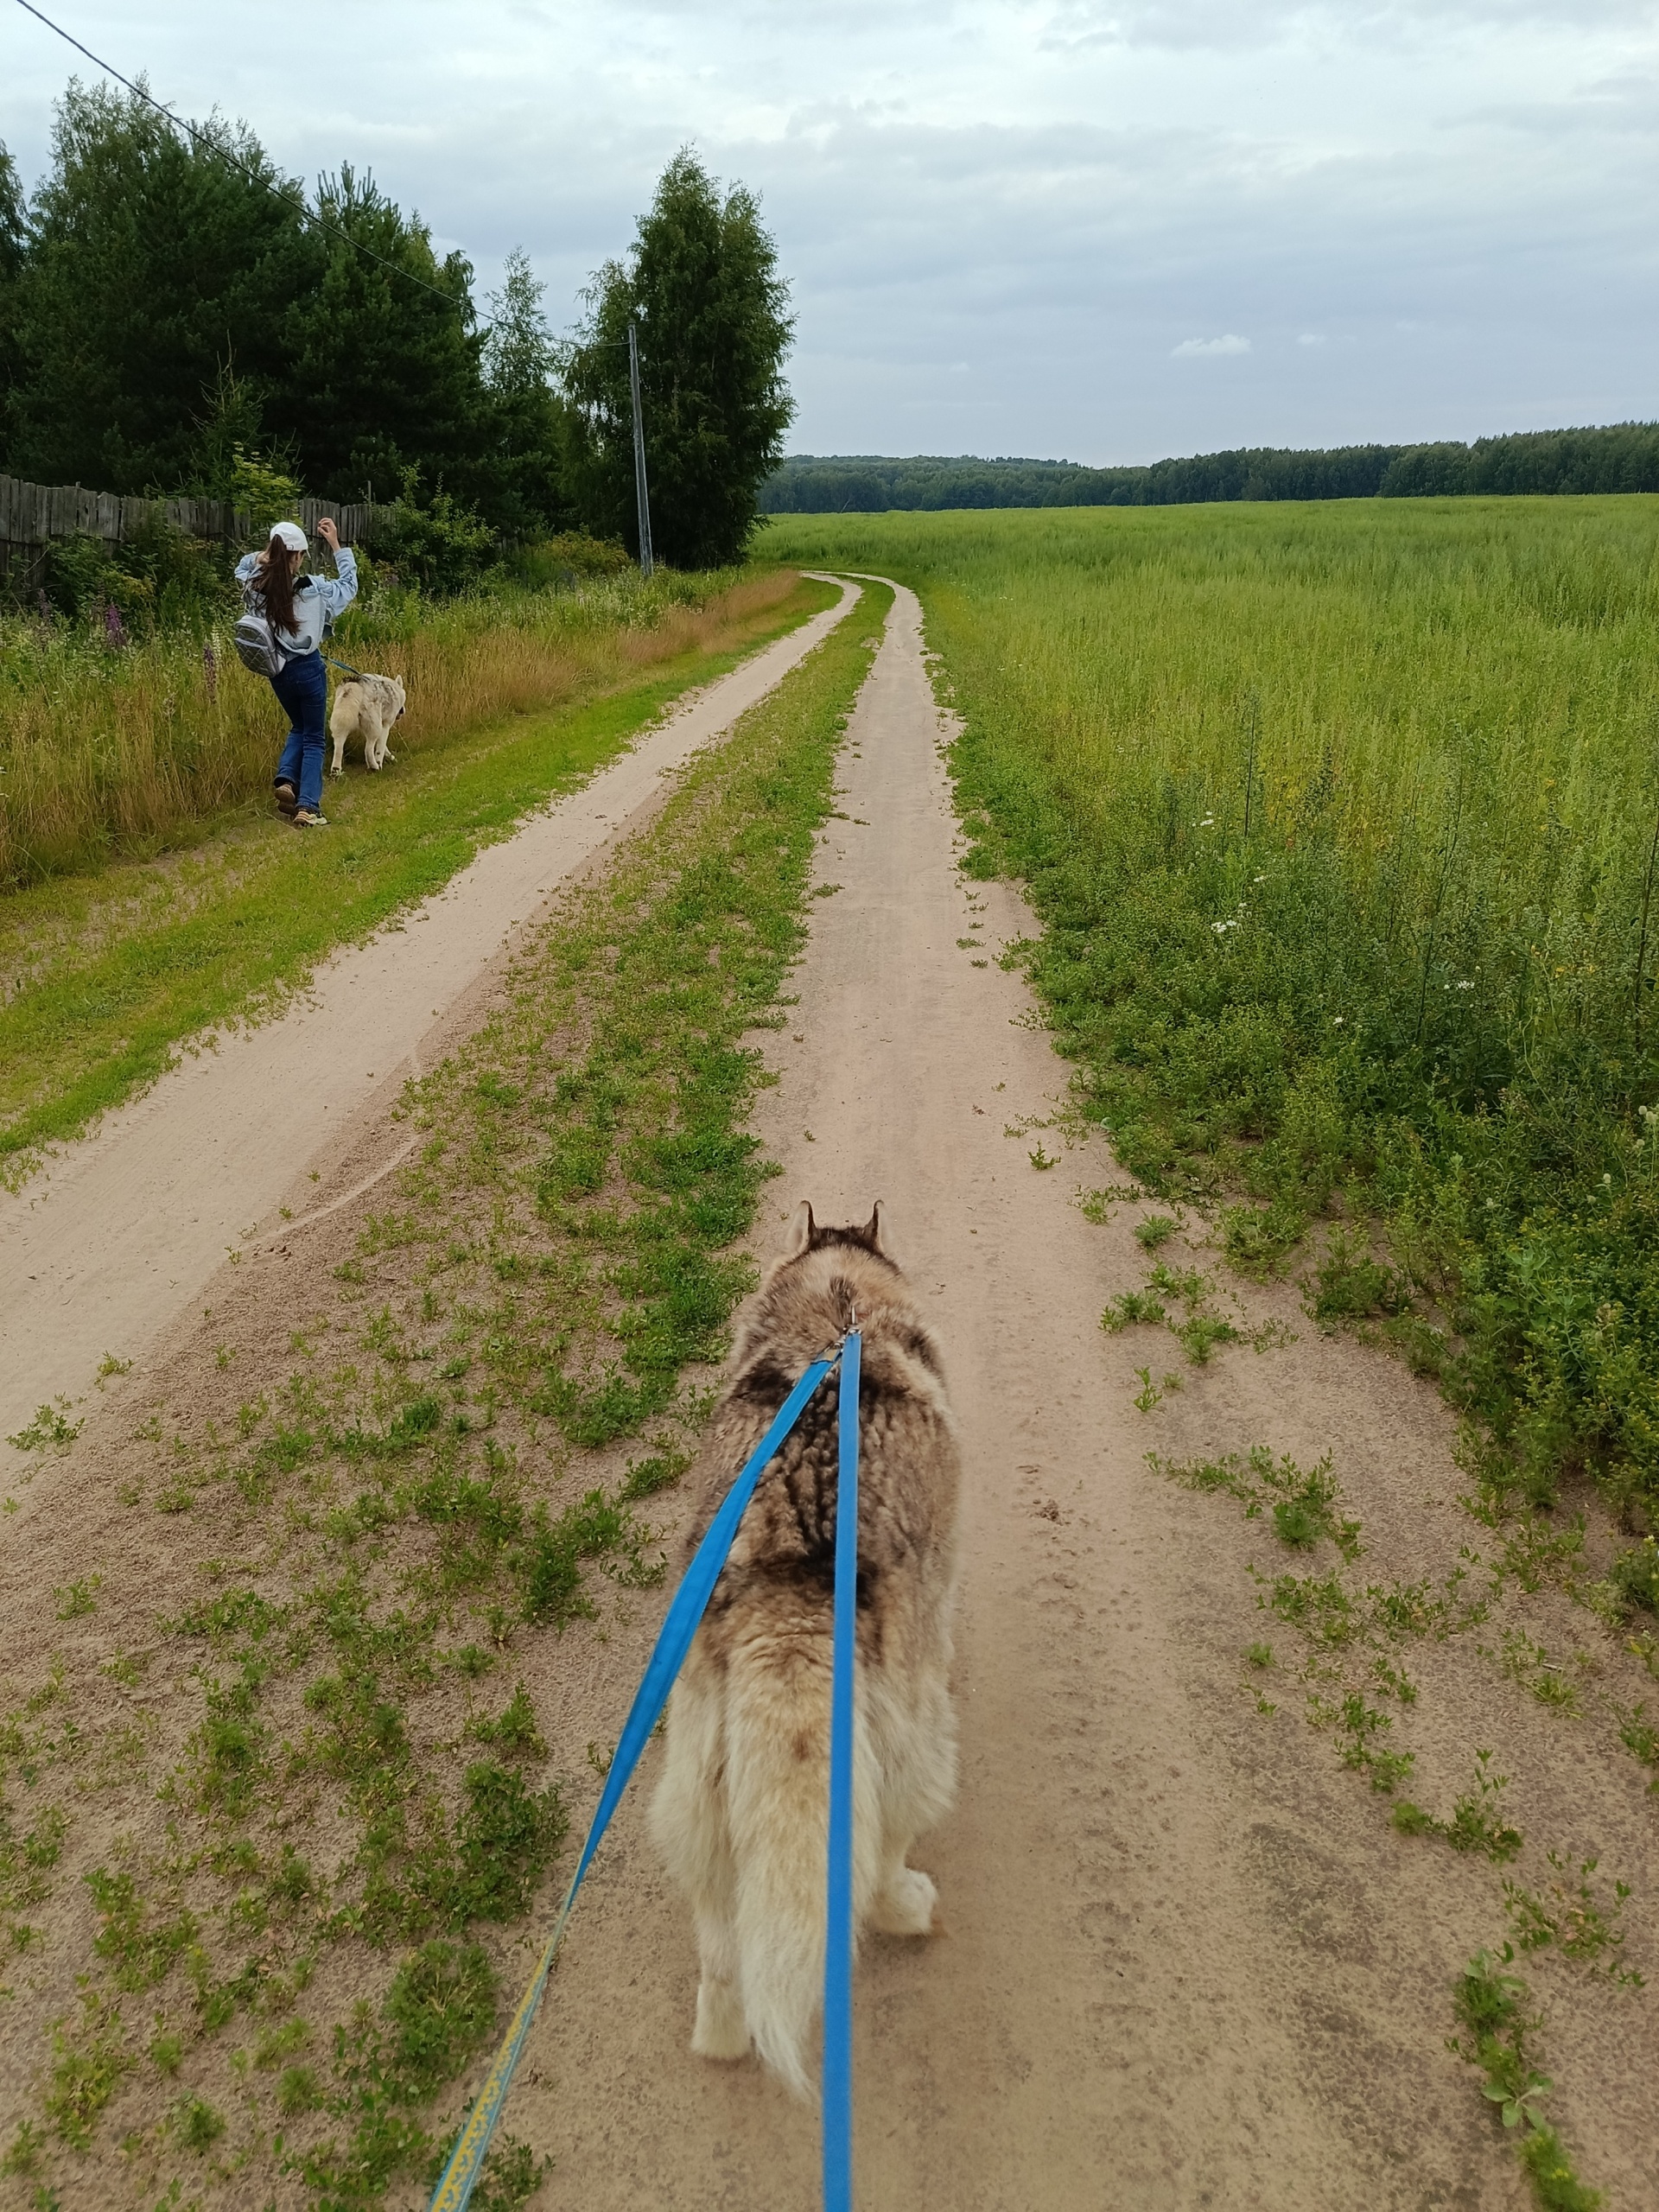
[(210, 669), (114, 634), (1337, 1020)]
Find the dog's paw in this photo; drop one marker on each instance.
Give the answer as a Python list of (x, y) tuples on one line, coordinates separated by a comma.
[(906, 1906), (722, 2030)]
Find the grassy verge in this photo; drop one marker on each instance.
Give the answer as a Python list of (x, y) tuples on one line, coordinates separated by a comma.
[(121, 747), (276, 1954), (109, 972), (1341, 823)]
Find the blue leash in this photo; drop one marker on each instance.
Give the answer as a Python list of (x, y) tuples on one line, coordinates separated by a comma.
[(838, 1931), (454, 2188)]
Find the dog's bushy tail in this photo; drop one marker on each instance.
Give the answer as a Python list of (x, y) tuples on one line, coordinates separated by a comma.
[(778, 1698)]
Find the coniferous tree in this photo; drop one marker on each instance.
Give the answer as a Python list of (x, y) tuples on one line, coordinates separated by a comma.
[(520, 480), (153, 260), (385, 386), (702, 283), (13, 241)]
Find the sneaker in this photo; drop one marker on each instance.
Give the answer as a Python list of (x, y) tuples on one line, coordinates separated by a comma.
[(287, 799), (305, 819)]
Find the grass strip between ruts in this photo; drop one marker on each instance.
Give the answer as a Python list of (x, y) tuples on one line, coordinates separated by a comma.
[(403, 1498), (116, 970)]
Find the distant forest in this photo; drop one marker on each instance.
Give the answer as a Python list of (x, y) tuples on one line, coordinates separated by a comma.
[(1625, 457)]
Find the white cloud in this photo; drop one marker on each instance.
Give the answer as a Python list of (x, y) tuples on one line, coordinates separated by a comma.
[(1456, 191), (1232, 343), (1313, 338)]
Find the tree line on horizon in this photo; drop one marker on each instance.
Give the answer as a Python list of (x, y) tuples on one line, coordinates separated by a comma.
[(1622, 457), (173, 307)]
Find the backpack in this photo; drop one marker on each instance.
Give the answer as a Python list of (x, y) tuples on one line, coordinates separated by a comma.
[(254, 638), (256, 642)]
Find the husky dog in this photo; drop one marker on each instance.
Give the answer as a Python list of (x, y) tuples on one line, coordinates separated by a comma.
[(366, 707), (741, 1813)]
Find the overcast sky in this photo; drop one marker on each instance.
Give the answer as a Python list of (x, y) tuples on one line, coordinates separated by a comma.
[(1071, 228)]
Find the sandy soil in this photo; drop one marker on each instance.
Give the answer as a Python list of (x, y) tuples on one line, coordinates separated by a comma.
[(1187, 1962), (107, 1247)]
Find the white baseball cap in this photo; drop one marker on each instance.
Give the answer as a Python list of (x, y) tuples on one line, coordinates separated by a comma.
[(289, 534)]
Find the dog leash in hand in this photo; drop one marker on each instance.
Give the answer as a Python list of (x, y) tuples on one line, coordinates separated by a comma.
[(685, 1611)]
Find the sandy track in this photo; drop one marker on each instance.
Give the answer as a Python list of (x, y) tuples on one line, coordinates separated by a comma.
[(107, 1247), (1187, 1962)]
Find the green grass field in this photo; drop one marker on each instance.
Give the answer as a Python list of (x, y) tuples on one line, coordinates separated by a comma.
[(1342, 822)]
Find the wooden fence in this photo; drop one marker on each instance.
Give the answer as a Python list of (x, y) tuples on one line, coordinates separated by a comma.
[(32, 515)]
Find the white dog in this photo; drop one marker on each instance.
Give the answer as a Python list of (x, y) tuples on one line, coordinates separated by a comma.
[(366, 707)]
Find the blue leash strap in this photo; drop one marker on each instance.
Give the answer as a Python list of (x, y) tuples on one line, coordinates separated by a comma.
[(690, 1601), (838, 1917)]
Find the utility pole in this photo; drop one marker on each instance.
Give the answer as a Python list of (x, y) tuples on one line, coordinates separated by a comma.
[(641, 494)]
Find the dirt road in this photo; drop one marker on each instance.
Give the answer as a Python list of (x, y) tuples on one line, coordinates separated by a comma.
[(1187, 1962), (115, 1239)]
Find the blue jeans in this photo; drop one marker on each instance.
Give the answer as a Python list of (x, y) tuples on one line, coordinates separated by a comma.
[(302, 693)]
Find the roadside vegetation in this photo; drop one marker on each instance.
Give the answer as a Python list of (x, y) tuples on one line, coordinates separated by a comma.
[(119, 736), (1343, 823), (512, 699), (1343, 827), (260, 1947)]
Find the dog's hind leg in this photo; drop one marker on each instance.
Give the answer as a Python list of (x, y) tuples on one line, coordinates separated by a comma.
[(722, 2030), (342, 723), (918, 1754), (688, 1818)]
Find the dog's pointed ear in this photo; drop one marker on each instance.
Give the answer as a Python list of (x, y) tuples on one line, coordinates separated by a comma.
[(877, 1233), (798, 1238)]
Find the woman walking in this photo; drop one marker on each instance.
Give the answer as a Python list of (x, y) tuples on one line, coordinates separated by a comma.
[(299, 610)]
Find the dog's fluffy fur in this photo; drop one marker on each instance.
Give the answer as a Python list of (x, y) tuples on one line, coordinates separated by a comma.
[(366, 707), (742, 1813)]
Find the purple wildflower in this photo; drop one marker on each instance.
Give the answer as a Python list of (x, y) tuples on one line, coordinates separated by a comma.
[(113, 631), (210, 669)]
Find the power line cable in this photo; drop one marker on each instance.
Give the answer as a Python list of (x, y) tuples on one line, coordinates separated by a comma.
[(207, 138)]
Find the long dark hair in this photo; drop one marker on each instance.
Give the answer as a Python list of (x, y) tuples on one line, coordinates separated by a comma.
[(275, 577)]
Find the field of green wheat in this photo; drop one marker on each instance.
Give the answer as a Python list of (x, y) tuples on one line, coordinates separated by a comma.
[(1342, 822)]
